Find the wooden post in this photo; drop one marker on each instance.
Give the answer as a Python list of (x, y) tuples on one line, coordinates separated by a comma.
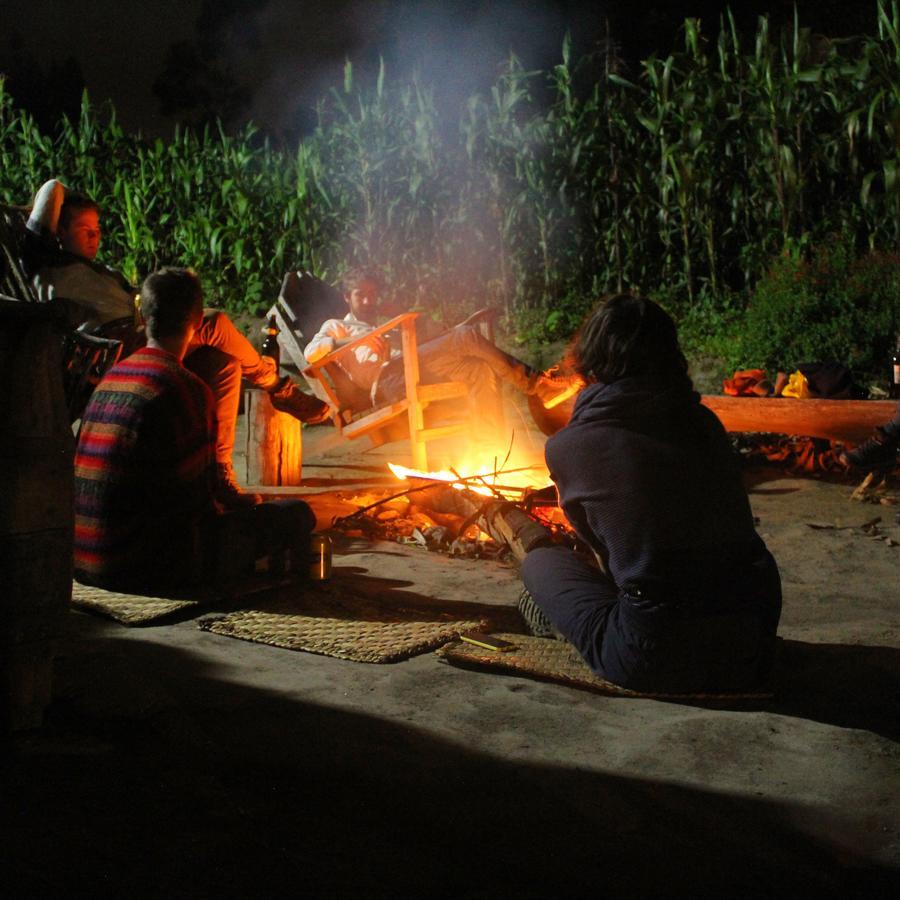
[(274, 443), (36, 520), (414, 410)]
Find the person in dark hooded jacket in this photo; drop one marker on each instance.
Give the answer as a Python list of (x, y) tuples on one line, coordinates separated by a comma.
[(682, 594)]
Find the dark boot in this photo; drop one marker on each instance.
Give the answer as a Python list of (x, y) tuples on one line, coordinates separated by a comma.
[(288, 398)]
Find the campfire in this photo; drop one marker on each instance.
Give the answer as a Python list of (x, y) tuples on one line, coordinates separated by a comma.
[(448, 510)]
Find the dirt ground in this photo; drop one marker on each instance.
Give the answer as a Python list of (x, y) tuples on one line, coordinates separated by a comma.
[(175, 762)]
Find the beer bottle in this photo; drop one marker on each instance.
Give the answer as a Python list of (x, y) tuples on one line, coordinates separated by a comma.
[(270, 343)]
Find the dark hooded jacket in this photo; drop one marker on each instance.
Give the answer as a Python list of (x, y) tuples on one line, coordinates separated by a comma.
[(647, 477)]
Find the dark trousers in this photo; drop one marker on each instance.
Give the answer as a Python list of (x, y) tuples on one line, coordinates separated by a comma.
[(233, 542), (214, 549), (722, 642), (574, 595), (462, 354)]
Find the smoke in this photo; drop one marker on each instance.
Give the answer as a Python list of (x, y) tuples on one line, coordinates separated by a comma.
[(294, 54)]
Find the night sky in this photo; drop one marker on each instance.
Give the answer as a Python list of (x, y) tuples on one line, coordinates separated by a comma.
[(162, 61)]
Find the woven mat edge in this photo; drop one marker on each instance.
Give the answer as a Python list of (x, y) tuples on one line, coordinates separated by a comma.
[(220, 626), (462, 654), (102, 602)]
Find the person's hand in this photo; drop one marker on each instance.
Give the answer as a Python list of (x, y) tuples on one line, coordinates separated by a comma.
[(379, 346)]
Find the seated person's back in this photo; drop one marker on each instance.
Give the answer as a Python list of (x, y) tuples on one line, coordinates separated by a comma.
[(146, 510), (145, 460)]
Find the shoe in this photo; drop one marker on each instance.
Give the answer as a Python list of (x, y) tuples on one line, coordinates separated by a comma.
[(288, 398), (878, 452), (535, 619), (228, 492), (552, 388)]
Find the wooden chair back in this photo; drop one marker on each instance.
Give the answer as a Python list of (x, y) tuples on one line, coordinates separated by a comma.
[(86, 358), (304, 304)]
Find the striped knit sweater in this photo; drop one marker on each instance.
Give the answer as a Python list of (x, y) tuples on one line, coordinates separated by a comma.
[(143, 473)]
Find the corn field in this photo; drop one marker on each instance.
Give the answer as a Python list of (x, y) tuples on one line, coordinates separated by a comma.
[(683, 180)]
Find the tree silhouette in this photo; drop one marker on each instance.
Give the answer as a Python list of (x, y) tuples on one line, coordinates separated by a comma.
[(45, 93)]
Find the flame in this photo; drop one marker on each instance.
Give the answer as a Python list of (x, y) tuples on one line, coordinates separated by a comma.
[(483, 480)]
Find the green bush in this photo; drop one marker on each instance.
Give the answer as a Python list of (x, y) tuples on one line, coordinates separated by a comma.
[(834, 306)]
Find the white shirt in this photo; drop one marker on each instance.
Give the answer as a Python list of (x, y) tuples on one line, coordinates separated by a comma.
[(364, 364)]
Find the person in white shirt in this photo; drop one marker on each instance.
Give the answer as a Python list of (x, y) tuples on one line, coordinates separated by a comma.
[(460, 354)]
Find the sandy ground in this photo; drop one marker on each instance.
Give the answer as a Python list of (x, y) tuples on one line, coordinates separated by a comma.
[(180, 763)]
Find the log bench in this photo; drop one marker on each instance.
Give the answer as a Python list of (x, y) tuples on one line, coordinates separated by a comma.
[(850, 421), (274, 447)]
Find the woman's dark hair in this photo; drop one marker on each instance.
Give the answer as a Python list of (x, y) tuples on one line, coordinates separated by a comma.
[(625, 336), (170, 299), (73, 204)]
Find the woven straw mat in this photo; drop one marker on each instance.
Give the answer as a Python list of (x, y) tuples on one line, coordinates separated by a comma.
[(558, 661), (129, 609), (335, 623)]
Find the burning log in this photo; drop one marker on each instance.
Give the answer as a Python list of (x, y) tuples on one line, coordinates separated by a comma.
[(470, 516), (503, 521), (508, 524)]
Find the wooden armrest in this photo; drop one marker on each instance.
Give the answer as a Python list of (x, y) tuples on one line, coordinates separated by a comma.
[(335, 355)]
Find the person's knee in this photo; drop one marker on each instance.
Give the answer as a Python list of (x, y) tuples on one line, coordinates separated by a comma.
[(537, 569), (213, 318), (216, 328), (303, 519)]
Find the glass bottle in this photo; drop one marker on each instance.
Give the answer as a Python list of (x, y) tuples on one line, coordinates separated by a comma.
[(270, 343)]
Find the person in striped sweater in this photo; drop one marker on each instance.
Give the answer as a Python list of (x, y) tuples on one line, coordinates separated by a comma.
[(146, 513)]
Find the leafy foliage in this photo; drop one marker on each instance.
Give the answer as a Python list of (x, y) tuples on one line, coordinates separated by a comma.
[(683, 181), (833, 307)]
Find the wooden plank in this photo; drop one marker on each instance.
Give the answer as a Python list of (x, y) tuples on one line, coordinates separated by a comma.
[(440, 431), (375, 419), (287, 338), (837, 420), (323, 388), (449, 390), (414, 410)]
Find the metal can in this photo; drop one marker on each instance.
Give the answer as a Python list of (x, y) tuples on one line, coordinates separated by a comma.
[(320, 557)]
